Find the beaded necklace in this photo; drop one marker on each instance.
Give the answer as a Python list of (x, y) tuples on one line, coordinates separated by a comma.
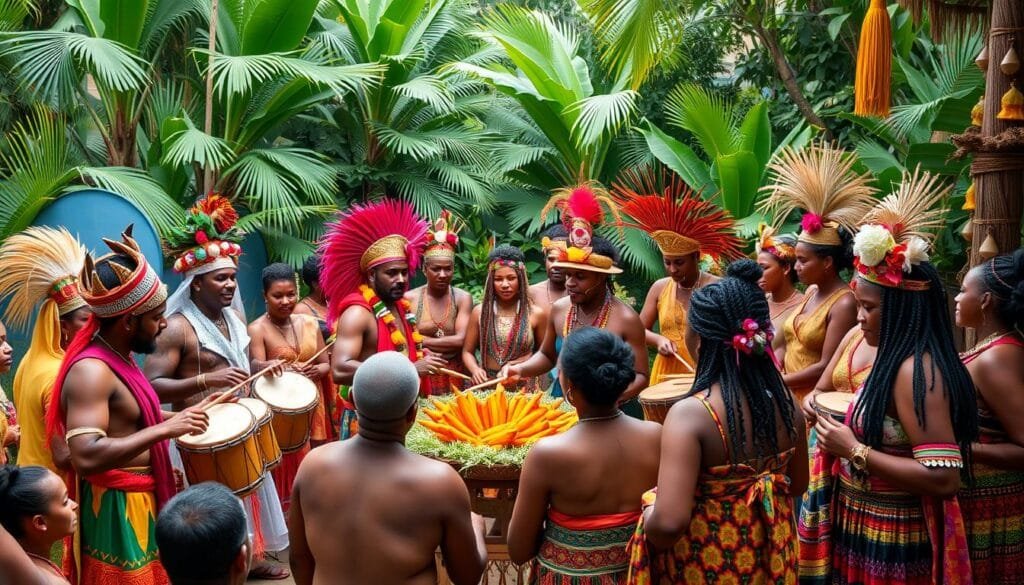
[(572, 316), (514, 340), (382, 313), (424, 305), (984, 344)]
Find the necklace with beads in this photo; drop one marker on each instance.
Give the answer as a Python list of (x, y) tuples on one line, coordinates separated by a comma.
[(284, 333), (572, 316), (617, 414), (984, 344), (424, 304), (383, 314)]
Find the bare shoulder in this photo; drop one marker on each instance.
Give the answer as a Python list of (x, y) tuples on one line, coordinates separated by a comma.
[(659, 285), (688, 413), (844, 303), (355, 317), (177, 332), (87, 378), (413, 295)]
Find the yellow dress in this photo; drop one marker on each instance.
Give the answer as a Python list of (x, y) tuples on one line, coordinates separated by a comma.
[(33, 384), (672, 324), (844, 377), (805, 336)]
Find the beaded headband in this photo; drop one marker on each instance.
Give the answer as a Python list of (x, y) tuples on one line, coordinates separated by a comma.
[(504, 263)]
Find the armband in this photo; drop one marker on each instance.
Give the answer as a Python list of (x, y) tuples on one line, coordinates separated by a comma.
[(939, 455), (84, 431)]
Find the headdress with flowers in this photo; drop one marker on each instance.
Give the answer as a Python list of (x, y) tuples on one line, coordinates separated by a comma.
[(768, 241), (753, 338), (210, 235), (819, 180), (443, 237), (896, 233), (581, 211), (678, 220)]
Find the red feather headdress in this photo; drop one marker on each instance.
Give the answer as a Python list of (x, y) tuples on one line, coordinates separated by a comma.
[(581, 211), (676, 218), (368, 235)]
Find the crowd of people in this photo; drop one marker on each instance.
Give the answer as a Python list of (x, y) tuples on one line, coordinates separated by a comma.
[(754, 476)]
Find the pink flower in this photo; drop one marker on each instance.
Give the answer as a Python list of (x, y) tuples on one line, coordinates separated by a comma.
[(201, 237), (750, 325), (811, 223)]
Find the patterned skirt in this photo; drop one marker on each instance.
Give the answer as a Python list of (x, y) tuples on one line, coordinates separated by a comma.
[(993, 510), (580, 551), (814, 523), (879, 538)]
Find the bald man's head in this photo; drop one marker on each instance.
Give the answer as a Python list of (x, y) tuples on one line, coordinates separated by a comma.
[(385, 387)]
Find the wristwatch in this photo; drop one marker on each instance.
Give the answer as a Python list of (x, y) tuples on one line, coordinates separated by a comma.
[(859, 457)]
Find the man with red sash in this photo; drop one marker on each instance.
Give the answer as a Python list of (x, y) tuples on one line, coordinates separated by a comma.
[(367, 256), (111, 418)]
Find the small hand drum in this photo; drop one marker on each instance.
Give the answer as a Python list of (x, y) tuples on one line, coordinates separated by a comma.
[(834, 404), (227, 453), (656, 400)]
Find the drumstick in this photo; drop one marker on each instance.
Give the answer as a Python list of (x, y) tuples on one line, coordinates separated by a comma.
[(483, 385), (683, 361), (318, 353), (233, 389), (454, 373)]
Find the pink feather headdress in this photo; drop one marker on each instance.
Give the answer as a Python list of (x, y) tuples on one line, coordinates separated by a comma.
[(365, 236)]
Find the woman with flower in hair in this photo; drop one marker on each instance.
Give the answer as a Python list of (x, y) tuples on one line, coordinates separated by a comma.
[(991, 301), (819, 180), (776, 255), (731, 454), (685, 227), (895, 517), (506, 328)]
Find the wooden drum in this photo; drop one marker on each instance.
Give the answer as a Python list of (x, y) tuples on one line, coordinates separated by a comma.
[(227, 453), (292, 397), (656, 400), (269, 449), (834, 404)]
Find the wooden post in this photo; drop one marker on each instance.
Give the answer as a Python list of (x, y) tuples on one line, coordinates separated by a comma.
[(999, 193), (208, 122)]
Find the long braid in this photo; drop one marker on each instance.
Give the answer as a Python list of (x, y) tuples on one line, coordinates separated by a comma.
[(915, 324), (488, 327), (717, 312)]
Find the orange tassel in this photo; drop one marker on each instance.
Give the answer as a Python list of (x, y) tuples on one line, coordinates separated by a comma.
[(1013, 104), (874, 63), (969, 198), (978, 112)]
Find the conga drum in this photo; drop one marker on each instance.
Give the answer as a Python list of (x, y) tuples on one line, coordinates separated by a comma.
[(656, 400), (269, 449), (292, 397), (833, 404), (227, 453)]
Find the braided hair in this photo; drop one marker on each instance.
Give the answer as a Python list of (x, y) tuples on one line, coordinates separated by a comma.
[(717, 313), (513, 258), (915, 323), (1003, 276)]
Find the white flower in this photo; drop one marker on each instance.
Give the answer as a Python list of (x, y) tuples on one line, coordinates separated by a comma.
[(441, 236), (872, 243), (917, 252)]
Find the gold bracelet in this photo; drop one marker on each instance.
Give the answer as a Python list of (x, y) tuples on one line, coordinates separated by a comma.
[(201, 381), (84, 431), (859, 457)]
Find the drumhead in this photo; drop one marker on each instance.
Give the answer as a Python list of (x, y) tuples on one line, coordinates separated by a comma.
[(669, 389), (834, 402), (258, 408), (227, 423), (289, 391)]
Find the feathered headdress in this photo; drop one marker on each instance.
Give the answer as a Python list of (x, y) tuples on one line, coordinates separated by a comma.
[(821, 181), (209, 236), (581, 211), (40, 263), (366, 236), (769, 241), (677, 219), (443, 237), (897, 232), (139, 289)]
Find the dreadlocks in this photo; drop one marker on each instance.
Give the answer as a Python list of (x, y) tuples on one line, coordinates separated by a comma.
[(504, 350), (1003, 276), (915, 323), (717, 313)]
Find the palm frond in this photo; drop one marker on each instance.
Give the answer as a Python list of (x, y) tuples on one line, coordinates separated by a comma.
[(600, 116), (706, 115), (139, 188), (635, 35), (429, 89), (241, 74), (190, 145)]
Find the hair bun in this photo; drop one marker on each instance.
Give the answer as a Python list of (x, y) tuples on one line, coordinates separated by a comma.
[(745, 270), (8, 476)]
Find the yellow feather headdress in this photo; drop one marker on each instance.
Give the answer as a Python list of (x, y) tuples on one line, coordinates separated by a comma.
[(40, 263)]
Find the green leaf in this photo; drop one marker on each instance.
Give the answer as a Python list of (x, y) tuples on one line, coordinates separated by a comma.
[(602, 115), (139, 188), (89, 11), (835, 26), (755, 134), (936, 158), (186, 144), (123, 20), (695, 109), (277, 26), (680, 158), (739, 178)]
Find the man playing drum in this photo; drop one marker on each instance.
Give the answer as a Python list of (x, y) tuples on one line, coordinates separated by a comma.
[(111, 418), (587, 262), (367, 256), (206, 345), (369, 511)]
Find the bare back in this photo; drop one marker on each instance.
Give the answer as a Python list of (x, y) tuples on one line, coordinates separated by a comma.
[(373, 512)]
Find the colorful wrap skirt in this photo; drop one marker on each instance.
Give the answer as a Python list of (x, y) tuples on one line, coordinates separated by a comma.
[(118, 524), (993, 509), (588, 550)]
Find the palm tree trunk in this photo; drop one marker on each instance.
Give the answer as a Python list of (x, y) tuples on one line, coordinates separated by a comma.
[(789, 81)]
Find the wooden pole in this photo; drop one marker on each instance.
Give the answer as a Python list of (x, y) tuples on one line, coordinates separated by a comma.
[(208, 124), (999, 199)]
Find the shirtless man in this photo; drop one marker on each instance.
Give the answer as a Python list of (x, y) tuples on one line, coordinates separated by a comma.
[(546, 292), (369, 511), (589, 303)]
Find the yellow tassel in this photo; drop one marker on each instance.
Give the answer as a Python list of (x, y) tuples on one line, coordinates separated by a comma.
[(969, 199), (978, 112), (1013, 104), (874, 63)]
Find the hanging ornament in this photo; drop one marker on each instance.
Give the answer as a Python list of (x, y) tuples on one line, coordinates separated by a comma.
[(982, 60), (968, 230), (978, 112), (874, 63), (1013, 104), (988, 249), (969, 198), (1011, 63)]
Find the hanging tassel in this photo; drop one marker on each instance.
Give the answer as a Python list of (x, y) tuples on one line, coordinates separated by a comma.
[(874, 63), (969, 198), (978, 112), (989, 249), (1010, 64), (968, 230), (1013, 104)]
